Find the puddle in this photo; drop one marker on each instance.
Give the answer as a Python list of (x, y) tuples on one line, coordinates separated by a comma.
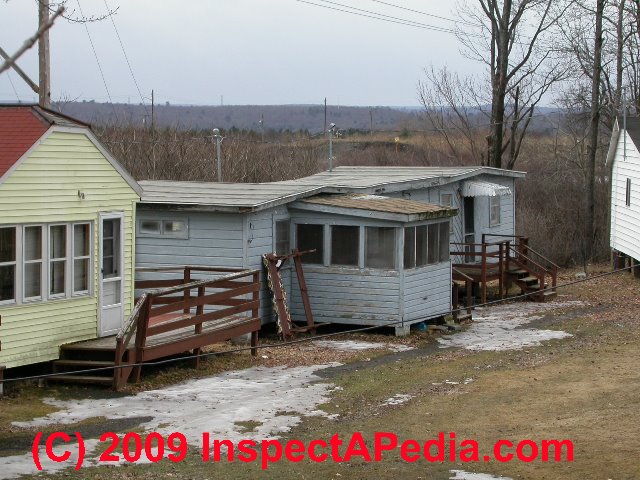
[(501, 327)]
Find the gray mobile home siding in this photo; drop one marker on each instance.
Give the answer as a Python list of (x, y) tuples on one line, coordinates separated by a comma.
[(427, 292)]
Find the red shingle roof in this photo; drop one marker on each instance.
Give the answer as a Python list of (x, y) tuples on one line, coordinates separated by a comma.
[(21, 126)]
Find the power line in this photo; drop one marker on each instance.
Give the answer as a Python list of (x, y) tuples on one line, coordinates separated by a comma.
[(424, 13), (13, 86), (308, 339), (379, 16), (126, 57), (95, 54)]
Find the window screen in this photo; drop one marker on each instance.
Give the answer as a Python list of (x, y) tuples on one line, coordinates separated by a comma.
[(345, 245), (380, 247), (311, 237), (282, 237)]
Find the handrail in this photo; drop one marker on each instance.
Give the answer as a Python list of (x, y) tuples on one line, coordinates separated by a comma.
[(531, 250), (462, 274), (138, 321), (528, 259), (202, 268)]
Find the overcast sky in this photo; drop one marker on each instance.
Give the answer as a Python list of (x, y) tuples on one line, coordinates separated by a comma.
[(246, 51)]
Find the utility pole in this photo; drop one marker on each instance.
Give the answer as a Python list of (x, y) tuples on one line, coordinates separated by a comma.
[(370, 122), (152, 111), (324, 125), (44, 66), (218, 138), (331, 130)]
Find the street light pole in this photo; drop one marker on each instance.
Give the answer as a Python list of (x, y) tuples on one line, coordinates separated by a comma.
[(332, 128), (218, 137)]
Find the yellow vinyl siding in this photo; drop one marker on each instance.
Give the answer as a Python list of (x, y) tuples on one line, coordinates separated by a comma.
[(43, 189)]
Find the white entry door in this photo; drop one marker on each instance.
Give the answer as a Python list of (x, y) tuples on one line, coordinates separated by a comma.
[(111, 273)]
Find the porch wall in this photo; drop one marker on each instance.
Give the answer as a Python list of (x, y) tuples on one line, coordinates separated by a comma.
[(427, 292)]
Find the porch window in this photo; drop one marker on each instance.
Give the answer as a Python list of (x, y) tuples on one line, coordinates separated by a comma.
[(310, 237), (283, 228), (7, 264), (150, 227), (57, 259), (380, 247), (494, 211), (426, 244), (33, 262), (163, 228), (81, 257), (345, 245), (444, 242), (627, 199)]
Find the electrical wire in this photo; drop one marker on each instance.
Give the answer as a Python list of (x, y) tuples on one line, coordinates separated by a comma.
[(306, 339), (126, 57), (378, 16), (448, 19), (13, 87), (95, 54)]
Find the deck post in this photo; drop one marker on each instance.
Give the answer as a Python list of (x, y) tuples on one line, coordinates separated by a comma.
[(2, 369), (255, 312), (198, 328), (455, 292), (507, 284), (483, 274), (141, 337), (187, 292), (501, 269), (117, 360), (469, 287)]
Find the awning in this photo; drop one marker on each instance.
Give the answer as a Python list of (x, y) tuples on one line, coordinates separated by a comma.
[(484, 189)]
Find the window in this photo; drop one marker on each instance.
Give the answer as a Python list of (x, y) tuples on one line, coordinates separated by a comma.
[(81, 258), (283, 228), (7, 264), (163, 228), (380, 247), (426, 244), (345, 245), (627, 200), (446, 199), (57, 259), (150, 227), (444, 242), (174, 228), (311, 237), (494, 211), (33, 262)]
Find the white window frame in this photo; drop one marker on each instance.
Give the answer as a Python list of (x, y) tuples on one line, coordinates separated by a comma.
[(42, 261), (17, 278), (89, 257), (493, 221), (447, 203), (46, 262)]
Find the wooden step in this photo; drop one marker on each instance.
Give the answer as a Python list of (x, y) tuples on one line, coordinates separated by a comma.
[(528, 280), (90, 379), (83, 363), (517, 271)]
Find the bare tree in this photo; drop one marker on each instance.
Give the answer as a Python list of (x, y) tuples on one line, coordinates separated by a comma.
[(511, 39)]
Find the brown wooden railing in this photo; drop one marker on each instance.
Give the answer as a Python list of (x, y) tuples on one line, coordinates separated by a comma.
[(468, 283), (498, 258), (491, 265), (169, 306)]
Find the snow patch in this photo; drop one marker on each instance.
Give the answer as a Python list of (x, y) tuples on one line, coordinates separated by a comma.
[(277, 398), (462, 475), (498, 328), (398, 399)]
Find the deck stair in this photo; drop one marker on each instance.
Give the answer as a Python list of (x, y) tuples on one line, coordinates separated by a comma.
[(508, 260)]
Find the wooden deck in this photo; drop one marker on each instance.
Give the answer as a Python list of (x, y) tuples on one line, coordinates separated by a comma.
[(181, 316), (508, 260)]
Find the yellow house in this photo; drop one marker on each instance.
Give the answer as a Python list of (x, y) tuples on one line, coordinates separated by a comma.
[(67, 216)]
